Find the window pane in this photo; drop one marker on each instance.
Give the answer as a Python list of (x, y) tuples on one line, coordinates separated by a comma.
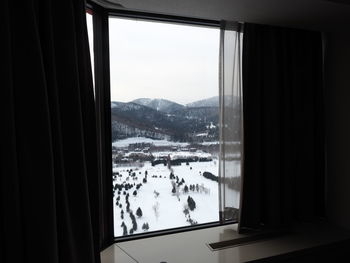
[(165, 124), (91, 41), (231, 118)]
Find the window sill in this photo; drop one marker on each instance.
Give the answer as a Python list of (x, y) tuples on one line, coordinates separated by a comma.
[(192, 246)]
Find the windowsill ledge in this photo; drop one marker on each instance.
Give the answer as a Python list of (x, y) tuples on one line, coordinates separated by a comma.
[(192, 246)]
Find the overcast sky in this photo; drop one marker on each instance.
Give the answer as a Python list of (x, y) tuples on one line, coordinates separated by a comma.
[(162, 60)]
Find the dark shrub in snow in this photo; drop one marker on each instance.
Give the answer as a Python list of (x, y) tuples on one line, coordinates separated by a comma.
[(210, 176), (125, 230), (191, 203), (139, 212), (186, 212), (192, 222), (133, 220), (145, 226), (186, 189)]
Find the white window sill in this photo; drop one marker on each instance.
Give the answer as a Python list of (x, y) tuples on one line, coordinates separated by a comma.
[(191, 246)]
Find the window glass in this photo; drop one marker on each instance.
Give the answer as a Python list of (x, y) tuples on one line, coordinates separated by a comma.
[(91, 41), (165, 125)]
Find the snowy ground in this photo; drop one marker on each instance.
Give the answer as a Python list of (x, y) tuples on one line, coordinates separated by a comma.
[(166, 210), (132, 140), (161, 208)]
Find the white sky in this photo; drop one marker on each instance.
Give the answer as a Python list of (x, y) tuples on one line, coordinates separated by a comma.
[(91, 43), (162, 60)]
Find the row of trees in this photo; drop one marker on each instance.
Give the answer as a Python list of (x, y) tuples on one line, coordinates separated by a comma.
[(139, 214)]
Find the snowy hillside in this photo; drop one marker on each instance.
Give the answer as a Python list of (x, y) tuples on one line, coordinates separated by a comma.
[(162, 119), (210, 102), (159, 104)]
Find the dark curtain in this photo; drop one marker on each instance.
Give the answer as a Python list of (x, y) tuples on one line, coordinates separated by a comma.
[(283, 127), (49, 184)]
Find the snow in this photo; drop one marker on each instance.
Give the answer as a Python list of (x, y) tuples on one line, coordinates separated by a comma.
[(210, 143), (136, 153), (226, 143), (132, 140), (182, 155), (204, 134), (170, 209), (211, 126), (166, 210)]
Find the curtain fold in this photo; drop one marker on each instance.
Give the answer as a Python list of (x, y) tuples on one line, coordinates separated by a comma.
[(230, 121), (283, 127), (49, 179)]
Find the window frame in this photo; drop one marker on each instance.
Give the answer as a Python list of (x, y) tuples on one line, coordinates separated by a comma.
[(103, 111)]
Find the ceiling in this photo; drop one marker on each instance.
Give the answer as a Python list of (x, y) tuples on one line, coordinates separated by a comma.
[(324, 15)]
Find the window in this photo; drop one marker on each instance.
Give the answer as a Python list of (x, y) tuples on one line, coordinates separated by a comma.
[(165, 117), (91, 40), (174, 124)]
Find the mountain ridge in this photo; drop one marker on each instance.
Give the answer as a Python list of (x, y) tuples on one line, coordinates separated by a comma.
[(168, 105), (208, 102), (165, 119), (159, 104)]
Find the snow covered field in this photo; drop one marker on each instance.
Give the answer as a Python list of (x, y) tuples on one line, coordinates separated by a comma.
[(132, 140), (161, 208), (162, 191), (126, 142)]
